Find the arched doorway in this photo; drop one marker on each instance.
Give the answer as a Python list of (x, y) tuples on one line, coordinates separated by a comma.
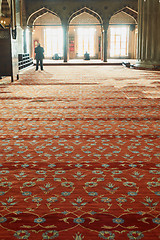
[(47, 30), (122, 35), (85, 34)]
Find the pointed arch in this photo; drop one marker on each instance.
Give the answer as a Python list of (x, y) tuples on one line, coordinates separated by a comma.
[(87, 10), (39, 13), (131, 12)]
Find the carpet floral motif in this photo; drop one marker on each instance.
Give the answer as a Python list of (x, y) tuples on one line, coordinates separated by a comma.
[(79, 163)]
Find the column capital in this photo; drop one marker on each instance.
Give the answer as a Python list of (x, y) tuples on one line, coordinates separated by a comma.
[(65, 22), (105, 24), (30, 28)]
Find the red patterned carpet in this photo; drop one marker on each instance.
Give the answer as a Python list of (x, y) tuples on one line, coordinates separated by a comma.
[(79, 154)]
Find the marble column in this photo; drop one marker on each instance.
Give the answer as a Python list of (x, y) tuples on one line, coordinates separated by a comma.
[(102, 45), (105, 41), (148, 34), (31, 50), (24, 41), (65, 27)]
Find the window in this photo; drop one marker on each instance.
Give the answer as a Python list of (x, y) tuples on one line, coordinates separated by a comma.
[(53, 38), (86, 41), (119, 41)]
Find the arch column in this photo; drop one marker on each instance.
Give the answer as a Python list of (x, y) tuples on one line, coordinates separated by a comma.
[(148, 33), (105, 40), (65, 27)]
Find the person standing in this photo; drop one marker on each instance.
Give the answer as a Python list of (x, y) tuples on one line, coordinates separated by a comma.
[(39, 56)]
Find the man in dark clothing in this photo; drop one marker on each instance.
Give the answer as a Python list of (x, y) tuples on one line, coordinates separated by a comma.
[(39, 56)]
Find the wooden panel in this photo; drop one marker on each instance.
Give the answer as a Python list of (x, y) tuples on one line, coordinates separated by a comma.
[(5, 53)]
